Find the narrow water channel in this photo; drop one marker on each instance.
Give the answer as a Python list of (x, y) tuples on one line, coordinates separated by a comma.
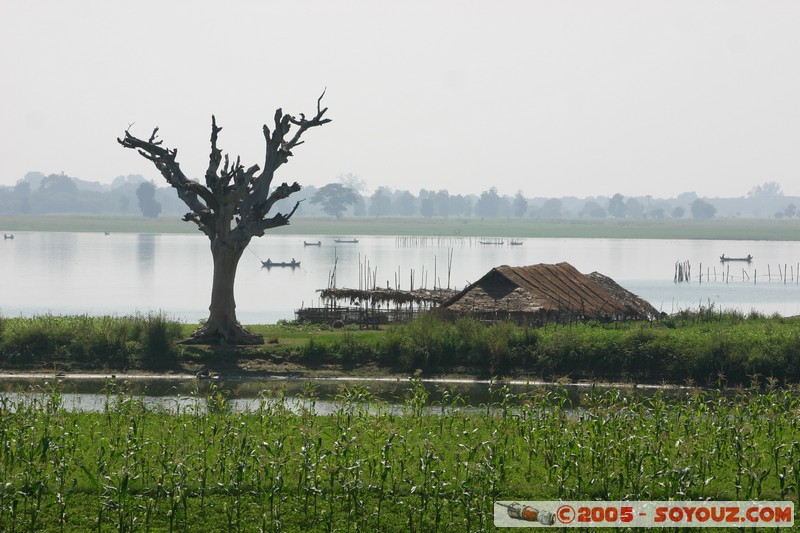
[(323, 395)]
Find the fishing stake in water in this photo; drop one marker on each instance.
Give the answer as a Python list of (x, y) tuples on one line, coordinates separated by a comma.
[(529, 514)]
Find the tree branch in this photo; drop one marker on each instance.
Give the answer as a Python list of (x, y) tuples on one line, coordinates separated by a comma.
[(165, 162), (278, 151), (304, 124), (278, 220), (215, 158), (281, 192), (233, 192), (205, 222)]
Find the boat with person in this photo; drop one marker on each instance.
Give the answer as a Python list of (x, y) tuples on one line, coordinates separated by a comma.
[(7, 236), (747, 259), (269, 263), (346, 241), (515, 243), (306, 243)]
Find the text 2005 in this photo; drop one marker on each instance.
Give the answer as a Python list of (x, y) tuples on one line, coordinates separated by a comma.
[(605, 514)]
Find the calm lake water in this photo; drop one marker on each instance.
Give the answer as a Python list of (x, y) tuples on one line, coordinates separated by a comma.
[(96, 274)]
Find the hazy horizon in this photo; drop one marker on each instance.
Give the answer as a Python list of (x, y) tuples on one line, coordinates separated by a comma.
[(34, 178), (554, 99)]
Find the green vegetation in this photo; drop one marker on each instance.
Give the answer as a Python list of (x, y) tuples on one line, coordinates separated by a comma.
[(702, 347), (85, 342), (366, 467), (723, 228)]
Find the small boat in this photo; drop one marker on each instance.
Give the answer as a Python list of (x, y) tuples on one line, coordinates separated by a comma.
[(515, 243), (306, 243), (346, 241), (269, 263), (723, 259), (495, 241), (5, 236)]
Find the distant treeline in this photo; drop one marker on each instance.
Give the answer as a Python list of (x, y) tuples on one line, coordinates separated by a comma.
[(37, 193)]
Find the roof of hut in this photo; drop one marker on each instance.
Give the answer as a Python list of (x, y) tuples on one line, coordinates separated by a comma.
[(549, 288), (378, 296), (623, 295)]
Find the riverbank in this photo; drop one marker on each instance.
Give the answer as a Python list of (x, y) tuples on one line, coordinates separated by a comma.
[(717, 229), (703, 347)]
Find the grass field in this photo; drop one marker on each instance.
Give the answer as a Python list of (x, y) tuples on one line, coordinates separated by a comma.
[(365, 467), (705, 347), (730, 229)]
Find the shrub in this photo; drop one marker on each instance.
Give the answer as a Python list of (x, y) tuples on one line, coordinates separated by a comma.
[(157, 335), (348, 349), (89, 342), (312, 351)]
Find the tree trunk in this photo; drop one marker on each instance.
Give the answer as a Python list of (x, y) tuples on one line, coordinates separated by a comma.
[(222, 326)]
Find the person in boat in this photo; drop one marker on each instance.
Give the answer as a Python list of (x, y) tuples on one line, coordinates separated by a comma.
[(293, 262), (268, 261)]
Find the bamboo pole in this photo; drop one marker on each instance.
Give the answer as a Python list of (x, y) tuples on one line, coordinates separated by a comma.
[(449, 266)]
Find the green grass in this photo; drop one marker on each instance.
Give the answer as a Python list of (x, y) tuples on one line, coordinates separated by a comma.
[(282, 467), (730, 229), (704, 347), (86, 342)]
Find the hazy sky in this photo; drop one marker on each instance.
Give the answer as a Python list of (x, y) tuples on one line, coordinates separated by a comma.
[(553, 98)]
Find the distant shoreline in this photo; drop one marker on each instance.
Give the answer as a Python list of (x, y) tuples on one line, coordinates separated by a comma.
[(715, 229)]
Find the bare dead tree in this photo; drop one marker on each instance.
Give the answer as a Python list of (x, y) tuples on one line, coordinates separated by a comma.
[(231, 208)]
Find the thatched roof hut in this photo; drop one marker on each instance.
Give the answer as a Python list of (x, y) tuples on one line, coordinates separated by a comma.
[(541, 293), (372, 306), (387, 297)]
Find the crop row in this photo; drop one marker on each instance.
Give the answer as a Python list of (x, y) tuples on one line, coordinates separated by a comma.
[(369, 467)]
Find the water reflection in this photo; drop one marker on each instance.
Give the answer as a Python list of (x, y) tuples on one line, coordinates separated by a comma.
[(77, 273), (145, 252), (324, 395)]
